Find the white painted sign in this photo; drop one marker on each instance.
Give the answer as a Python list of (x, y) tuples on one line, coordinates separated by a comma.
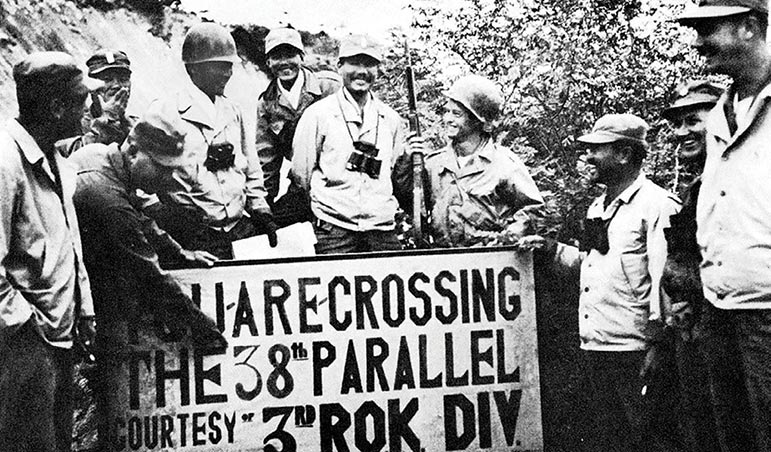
[(410, 351)]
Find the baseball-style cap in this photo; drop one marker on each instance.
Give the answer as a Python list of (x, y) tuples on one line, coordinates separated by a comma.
[(353, 45), (47, 72), (693, 94), (283, 36), (163, 139), (616, 127), (107, 59), (708, 9)]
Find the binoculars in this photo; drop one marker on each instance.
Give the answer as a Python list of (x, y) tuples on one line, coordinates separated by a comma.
[(220, 156), (364, 159)]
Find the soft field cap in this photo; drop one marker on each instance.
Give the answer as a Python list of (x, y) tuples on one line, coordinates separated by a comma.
[(359, 45), (107, 59), (283, 36), (693, 94), (616, 127), (162, 137), (47, 72)]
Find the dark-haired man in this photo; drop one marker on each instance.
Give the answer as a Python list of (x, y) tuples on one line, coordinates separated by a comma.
[(293, 89), (121, 248), (105, 120), (345, 148), (45, 295), (621, 260), (704, 425), (733, 210), (222, 198)]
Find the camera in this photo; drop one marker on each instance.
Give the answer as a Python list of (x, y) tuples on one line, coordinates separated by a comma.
[(364, 159), (220, 156)]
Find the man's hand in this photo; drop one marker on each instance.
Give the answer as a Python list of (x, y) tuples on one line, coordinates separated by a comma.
[(416, 143), (87, 337), (203, 258), (653, 361), (531, 243), (264, 224), (114, 102)]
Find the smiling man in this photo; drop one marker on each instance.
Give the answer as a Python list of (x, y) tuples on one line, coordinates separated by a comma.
[(293, 89), (733, 213), (222, 197), (345, 148), (705, 425), (479, 192), (621, 259)]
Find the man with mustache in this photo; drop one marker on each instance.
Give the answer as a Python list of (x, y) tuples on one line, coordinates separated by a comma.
[(105, 120), (222, 197), (293, 89), (733, 213), (621, 259), (345, 148)]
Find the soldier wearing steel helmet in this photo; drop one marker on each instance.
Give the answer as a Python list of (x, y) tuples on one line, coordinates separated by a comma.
[(293, 89), (479, 192), (222, 197)]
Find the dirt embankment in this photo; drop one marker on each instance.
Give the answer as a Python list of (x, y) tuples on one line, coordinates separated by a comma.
[(31, 25)]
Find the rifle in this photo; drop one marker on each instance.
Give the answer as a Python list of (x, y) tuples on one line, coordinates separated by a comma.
[(418, 210)]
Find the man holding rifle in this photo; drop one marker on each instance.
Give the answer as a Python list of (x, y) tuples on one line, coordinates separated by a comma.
[(477, 192)]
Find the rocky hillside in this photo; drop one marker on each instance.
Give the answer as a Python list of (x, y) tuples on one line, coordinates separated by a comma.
[(152, 44)]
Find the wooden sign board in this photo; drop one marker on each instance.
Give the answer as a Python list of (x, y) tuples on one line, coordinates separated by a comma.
[(409, 351)]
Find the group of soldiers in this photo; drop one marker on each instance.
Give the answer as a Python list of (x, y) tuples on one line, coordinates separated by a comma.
[(673, 310)]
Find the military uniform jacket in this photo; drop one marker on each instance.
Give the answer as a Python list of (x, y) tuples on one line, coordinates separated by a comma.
[(220, 197), (43, 276), (486, 196), (621, 288), (323, 143), (277, 121)]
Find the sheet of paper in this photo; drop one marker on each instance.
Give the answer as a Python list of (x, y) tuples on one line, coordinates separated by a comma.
[(294, 240)]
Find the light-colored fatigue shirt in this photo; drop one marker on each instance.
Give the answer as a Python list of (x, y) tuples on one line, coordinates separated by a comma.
[(733, 211), (486, 195), (620, 290), (43, 276), (323, 142), (222, 196)]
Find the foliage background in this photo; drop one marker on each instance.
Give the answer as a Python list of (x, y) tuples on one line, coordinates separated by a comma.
[(561, 64)]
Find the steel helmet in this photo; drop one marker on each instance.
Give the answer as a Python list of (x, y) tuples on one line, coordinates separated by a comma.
[(208, 41), (480, 96)]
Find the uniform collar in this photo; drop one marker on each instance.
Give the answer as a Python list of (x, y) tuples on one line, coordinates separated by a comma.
[(195, 106), (479, 161), (598, 210), (29, 147), (286, 95), (351, 109), (718, 122)]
